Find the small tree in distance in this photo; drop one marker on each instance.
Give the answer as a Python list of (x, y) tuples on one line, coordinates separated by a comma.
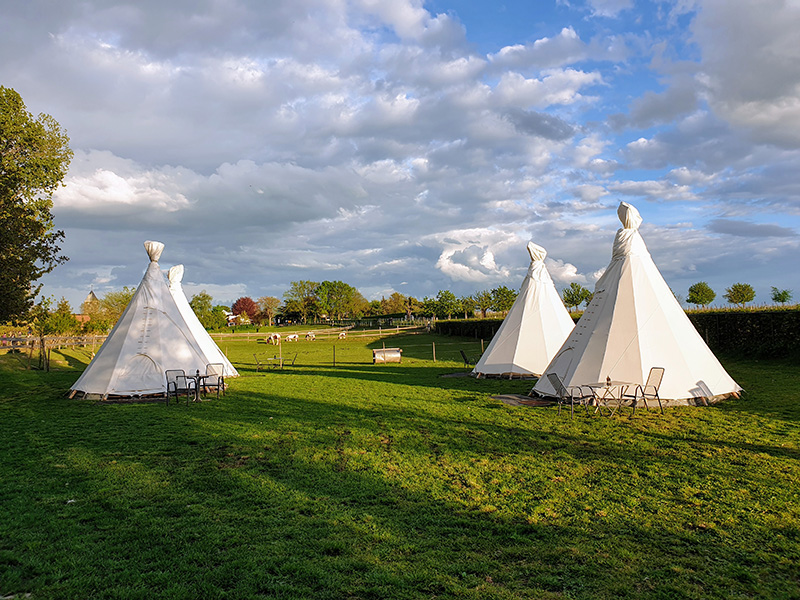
[(202, 303), (483, 301), (701, 294), (269, 308), (740, 294), (574, 295), (503, 298), (248, 307), (446, 304), (781, 296)]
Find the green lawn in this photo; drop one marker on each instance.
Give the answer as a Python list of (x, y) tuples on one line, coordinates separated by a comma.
[(390, 481)]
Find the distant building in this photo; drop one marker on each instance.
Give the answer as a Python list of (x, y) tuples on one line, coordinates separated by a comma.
[(89, 307)]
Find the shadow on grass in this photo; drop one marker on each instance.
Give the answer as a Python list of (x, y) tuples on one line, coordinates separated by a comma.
[(376, 494), (237, 509)]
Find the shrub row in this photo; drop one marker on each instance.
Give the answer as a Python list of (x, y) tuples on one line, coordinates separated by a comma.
[(754, 333)]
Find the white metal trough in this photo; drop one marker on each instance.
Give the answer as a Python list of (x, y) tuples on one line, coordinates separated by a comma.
[(386, 355)]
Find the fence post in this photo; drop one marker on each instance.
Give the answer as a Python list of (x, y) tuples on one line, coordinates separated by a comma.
[(434, 351)]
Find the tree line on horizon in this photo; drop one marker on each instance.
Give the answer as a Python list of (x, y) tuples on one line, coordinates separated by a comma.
[(309, 301)]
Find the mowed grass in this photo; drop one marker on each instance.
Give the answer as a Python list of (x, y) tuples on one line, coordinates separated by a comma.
[(391, 481)]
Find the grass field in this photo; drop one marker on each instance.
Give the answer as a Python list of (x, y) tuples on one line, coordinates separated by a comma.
[(391, 481)]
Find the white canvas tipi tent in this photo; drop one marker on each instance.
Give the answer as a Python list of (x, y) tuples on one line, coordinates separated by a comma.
[(209, 347), (634, 323), (150, 337), (533, 330)]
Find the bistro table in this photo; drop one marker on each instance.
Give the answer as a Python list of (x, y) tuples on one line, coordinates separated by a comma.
[(198, 382), (607, 391)]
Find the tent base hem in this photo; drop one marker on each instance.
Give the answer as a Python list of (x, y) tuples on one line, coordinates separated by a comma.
[(667, 402), (504, 375), (112, 398)]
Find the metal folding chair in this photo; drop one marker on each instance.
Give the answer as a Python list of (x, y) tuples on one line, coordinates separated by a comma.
[(214, 379), (178, 383), (568, 394), (650, 389)]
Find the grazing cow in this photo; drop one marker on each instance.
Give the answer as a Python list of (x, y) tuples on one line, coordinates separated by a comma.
[(292, 337), (343, 335), (310, 337)]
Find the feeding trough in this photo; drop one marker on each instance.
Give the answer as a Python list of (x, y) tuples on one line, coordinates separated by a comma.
[(386, 355)]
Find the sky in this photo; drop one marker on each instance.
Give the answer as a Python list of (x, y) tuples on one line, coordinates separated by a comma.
[(409, 146)]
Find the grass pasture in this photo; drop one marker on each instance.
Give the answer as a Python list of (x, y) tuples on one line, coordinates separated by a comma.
[(364, 481)]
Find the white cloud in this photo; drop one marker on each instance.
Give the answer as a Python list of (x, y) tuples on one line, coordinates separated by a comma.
[(562, 49), (654, 190), (557, 86), (751, 61), (379, 142)]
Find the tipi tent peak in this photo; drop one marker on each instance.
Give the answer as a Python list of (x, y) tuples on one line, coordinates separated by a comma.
[(149, 338), (533, 330), (634, 323), (209, 347)]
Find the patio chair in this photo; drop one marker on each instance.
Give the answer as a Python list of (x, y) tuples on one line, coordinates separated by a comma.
[(178, 383), (650, 389), (214, 379), (262, 362), (568, 394)]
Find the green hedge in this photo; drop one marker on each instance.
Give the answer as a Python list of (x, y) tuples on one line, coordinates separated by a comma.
[(755, 333), (750, 333)]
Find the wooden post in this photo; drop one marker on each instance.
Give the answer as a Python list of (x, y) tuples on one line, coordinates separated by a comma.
[(481, 345), (334, 355), (434, 351)]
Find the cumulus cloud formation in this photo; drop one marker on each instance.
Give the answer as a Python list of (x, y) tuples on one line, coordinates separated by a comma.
[(751, 66), (380, 143)]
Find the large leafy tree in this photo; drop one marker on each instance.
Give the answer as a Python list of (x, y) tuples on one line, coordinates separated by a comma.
[(467, 305), (337, 298), (301, 299), (269, 308), (34, 158), (412, 305), (503, 298), (246, 306), (62, 320), (574, 295), (203, 306), (739, 294), (446, 304), (781, 296), (374, 308), (396, 304), (113, 304), (483, 301), (218, 318), (700, 293), (427, 307)]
